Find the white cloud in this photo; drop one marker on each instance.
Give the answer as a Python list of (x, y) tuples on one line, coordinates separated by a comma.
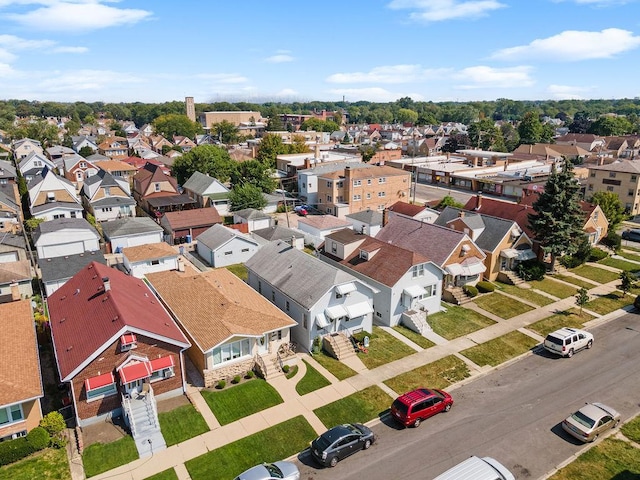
[(599, 3), (439, 10), (567, 92), (226, 78), (70, 50), (6, 70), (16, 43), (287, 92), (482, 76), (573, 45), (85, 80), (6, 56), (280, 58), (76, 16), (372, 94), (388, 74)]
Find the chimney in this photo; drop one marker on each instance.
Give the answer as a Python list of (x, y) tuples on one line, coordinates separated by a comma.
[(478, 201), (15, 292), (385, 217), (293, 241), (461, 214), (107, 284), (307, 162), (316, 154)]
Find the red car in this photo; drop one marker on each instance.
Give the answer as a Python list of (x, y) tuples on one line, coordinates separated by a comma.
[(413, 407)]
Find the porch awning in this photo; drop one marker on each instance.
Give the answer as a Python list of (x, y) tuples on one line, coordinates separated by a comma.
[(346, 288), (135, 371), (414, 291), (100, 381), (321, 321), (454, 269), (162, 363), (336, 311), (472, 268), (509, 253), (128, 339), (359, 309), (527, 254)]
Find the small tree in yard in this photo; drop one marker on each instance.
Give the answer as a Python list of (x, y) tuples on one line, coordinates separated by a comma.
[(626, 282), (582, 298)]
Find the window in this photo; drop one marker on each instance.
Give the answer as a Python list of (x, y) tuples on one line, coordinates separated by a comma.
[(37, 163), (162, 374), (83, 164), (128, 341), (154, 262), (368, 196), (612, 174), (231, 351), (593, 174), (634, 178), (590, 187), (381, 207), (273, 296), (357, 197), (287, 306), (11, 414), (228, 252), (260, 287), (329, 184), (102, 392), (357, 183), (609, 189), (73, 214), (157, 187), (244, 250), (279, 334), (630, 192), (382, 194), (382, 180), (59, 215), (51, 196), (107, 209), (340, 184), (107, 191), (328, 198), (334, 247), (417, 270), (305, 321), (368, 181)]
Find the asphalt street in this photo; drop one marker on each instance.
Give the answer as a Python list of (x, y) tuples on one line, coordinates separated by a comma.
[(512, 414)]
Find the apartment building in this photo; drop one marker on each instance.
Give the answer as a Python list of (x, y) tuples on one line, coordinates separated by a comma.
[(622, 178)]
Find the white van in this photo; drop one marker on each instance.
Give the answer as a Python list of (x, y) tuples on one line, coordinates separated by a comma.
[(476, 468)]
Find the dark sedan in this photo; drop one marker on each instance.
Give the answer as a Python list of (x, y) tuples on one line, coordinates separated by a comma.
[(340, 442)]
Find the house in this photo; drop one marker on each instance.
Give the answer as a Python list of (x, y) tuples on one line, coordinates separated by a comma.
[(20, 409), (139, 163), (8, 173), (130, 232), (504, 243), (132, 357), (13, 247), (15, 280), (189, 224), (207, 191), (10, 208), (322, 299), (596, 225), (221, 246), (255, 219), (621, 177), (308, 176), (77, 169), (278, 232), (153, 257), (412, 210), (52, 197), (453, 251), (81, 141), (107, 197), (56, 271), (114, 148), (65, 236), (232, 328), (185, 143), (408, 286), (119, 168), (58, 152), (97, 157), (367, 222), (26, 146), (33, 164), (157, 193), (317, 227), (586, 141)]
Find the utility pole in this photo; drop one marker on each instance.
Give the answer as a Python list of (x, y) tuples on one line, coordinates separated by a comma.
[(413, 167)]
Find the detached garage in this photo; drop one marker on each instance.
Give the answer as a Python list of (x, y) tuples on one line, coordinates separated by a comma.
[(187, 225), (65, 236), (131, 232)]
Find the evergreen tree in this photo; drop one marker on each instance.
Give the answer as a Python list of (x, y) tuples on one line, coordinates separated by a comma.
[(558, 218), (530, 128), (275, 124)]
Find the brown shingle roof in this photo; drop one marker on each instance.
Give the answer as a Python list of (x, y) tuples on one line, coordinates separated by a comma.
[(408, 209), (149, 251), (323, 222), (196, 217), (19, 363), (15, 271)]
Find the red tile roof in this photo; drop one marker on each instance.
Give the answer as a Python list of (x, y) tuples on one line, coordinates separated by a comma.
[(408, 209), (85, 318)]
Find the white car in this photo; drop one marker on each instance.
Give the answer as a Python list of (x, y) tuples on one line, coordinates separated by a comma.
[(271, 471), (566, 341)]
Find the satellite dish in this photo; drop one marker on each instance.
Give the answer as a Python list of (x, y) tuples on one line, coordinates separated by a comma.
[(535, 187)]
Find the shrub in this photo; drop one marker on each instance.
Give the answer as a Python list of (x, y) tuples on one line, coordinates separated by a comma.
[(14, 450), (532, 269), (570, 261), (286, 368), (221, 384), (236, 379), (249, 374), (485, 287), (597, 254), (38, 438), (636, 303), (470, 290), (612, 240), (53, 423)]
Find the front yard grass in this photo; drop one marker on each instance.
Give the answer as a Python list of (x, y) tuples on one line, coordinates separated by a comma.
[(501, 306), (48, 464), (621, 264), (631, 429), (438, 374), (335, 367), (239, 270), (457, 321), (169, 474), (181, 424), (524, 293), (383, 348), (312, 380), (599, 275), (629, 256), (269, 445), (415, 337), (575, 281), (241, 400), (608, 303), (358, 407), (568, 318), (499, 350), (557, 289), (101, 457)]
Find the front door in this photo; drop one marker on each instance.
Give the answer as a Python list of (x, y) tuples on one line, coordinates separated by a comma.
[(133, 388), (263, 344)]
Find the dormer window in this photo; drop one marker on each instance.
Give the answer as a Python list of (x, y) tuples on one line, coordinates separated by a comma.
[(128, 341), (83, 164), (51, 196), (364, 255), (157, 187)]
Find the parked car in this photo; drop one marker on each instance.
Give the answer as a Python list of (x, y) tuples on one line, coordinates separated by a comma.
[(590, 421), (476, 468), (341, 441), (418, 405), (566, 341), (632, 235), (271, 471), (301, 210)]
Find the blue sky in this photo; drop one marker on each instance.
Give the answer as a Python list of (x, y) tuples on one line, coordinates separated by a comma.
[(376, 50)]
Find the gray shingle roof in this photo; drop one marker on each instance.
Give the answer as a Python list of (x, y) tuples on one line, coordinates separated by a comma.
[(198, 183), (61, 268), (494, 229), (300, 276), (277, 233), (251, 214), (61, 224), (370, 217), (113, 202), (129, 226), (218, 235)]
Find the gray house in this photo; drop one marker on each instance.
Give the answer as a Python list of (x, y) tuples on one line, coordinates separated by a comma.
[(221, 246), (57, 271), (207, 191), (324, 301), (278, 232)]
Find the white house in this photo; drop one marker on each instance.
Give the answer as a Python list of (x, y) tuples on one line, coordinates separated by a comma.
[(56, 271), (52, 196), (321, 298), (278, 232), (32, 164), (107, 197), (255, 219), (367, 222), (65, 236), (130, 232), (316, 227), (150, 258), (220, 246)]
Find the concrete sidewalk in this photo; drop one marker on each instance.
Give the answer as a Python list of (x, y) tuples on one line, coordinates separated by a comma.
[(294, 404)]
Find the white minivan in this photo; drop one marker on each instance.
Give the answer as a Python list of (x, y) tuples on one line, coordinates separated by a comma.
[(476, 468)]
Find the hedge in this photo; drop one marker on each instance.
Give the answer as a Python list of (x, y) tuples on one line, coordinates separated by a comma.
[(14, 450), (485, 287), (470, 290)]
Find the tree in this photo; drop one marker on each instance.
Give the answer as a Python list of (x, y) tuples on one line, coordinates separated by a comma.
[(225, 131), (406, 115), (448, 201), (530, 129), (32, 223), (580, 124), (368, 151), (318, 125), (270, 147), (627, 281), (246, 196), (298, 145), (86, 151), (208, 159), (255, 173), (40, 130), (611, 126), (275, 124), (582, 298), (558, 218), (611, 206), (176, 124)]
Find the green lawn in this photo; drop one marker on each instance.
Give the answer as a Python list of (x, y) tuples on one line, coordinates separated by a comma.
[(599, 275), (457, 321), (631, 429), (612, 459), (336, 367), (557, 289), (234, 403), (610, 302), (101, 457), (383, 348), (629, 256), (239, 270), (169, 474), (501, 306), (621, 264), (568, 318), (575, 281), (312, 380), (438, 374), (358, 407), (499, 350), (181, 424), (270, 445), (48, 464), (414, 336), (524, 293)]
